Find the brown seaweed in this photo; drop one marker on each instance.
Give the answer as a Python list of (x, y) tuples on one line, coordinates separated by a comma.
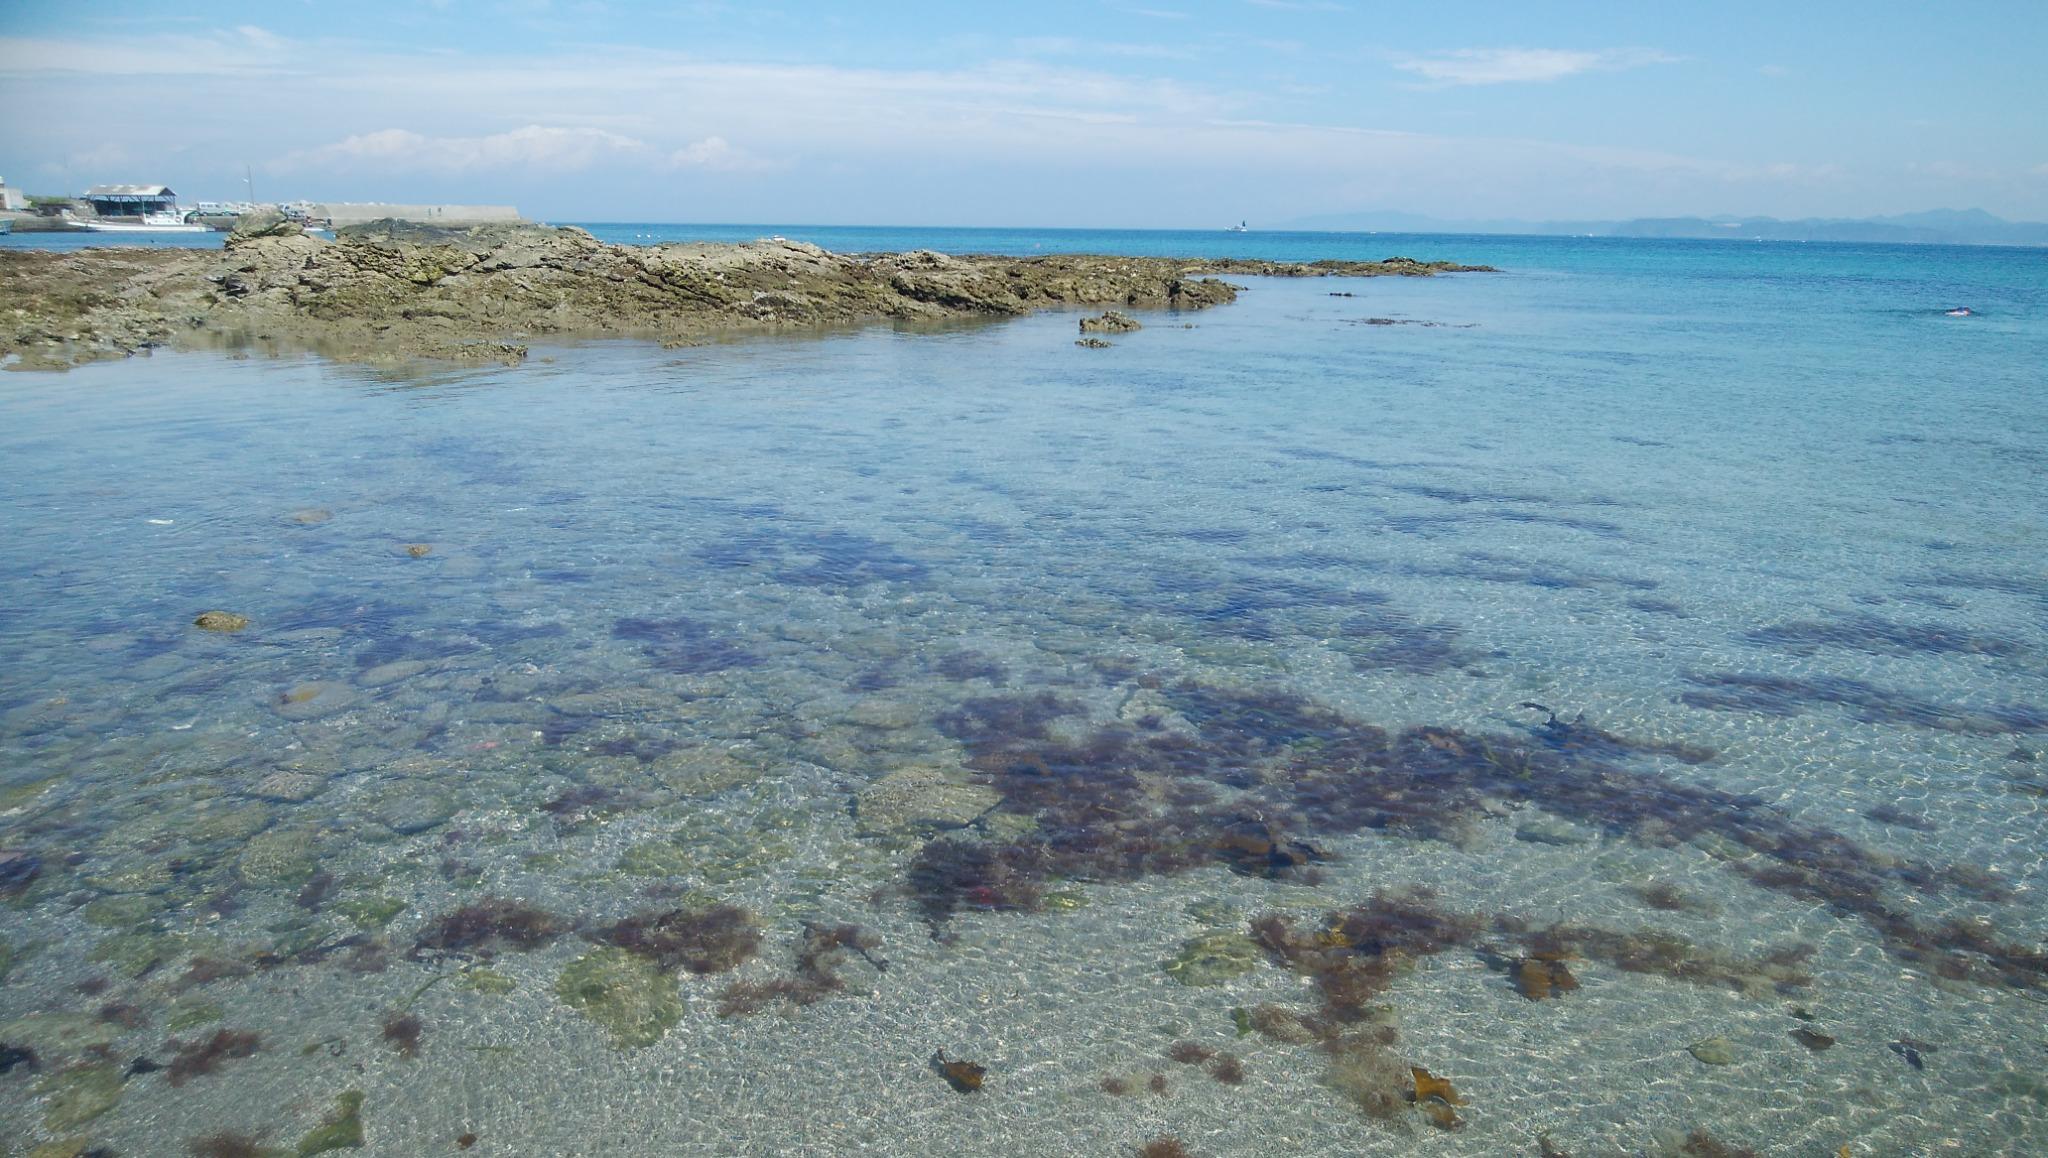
[(708, 940), (1700, 1144), (964, 1076), (820, 956), (487, 926), (1120, 804), (1164, 1146), (402, 1031), (1539, 978), (1228, 1069), (205, 1057)]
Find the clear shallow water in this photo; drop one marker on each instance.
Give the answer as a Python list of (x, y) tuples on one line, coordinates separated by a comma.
[(682, 608)]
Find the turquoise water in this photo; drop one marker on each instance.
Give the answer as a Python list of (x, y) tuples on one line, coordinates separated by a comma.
[(1143, 646)]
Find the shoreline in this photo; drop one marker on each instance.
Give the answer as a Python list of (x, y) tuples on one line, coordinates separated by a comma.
[(392, 292)]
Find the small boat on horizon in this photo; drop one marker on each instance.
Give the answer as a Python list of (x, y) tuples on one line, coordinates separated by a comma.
[(1241, 227)]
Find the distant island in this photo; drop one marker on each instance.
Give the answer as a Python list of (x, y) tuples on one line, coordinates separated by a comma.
[(1933, 227)]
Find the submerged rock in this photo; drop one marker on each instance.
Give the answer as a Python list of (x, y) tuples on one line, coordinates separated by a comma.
[(920, 799), (18, 870), (1713, 1051), (75, 1096), (342, 1130), (314, 699), (311, 516), (276, 859), (630, 997), (390, 673), (220, 621), (1093, 344), (409, 810), (1213, 958), (1110, 322), (290, 787)]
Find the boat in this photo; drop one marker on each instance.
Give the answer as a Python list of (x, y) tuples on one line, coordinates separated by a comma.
[(147, 223), (1241, 227), (6, 226)]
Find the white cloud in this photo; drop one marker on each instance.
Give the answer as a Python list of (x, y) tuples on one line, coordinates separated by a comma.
[(550, 148), (243, 51), (1517, 65), (715, 153)]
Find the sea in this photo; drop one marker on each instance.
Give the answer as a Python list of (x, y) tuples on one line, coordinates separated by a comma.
[(1598, 707)]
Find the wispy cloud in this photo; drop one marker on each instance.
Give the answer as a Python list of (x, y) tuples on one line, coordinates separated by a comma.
[(542, 148), (1521, 65), (550, 148)]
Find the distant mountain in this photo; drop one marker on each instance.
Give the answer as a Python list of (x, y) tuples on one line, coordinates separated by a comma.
[(1933, 227)]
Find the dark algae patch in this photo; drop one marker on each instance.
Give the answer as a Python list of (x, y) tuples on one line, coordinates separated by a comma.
[(1266, 772), (709, 940), (204, 1057), (490, 925)]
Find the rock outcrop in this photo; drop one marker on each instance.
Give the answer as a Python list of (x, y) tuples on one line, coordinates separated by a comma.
[(392, 291)]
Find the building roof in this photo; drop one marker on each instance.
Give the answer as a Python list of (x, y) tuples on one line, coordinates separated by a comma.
[(129, 191)]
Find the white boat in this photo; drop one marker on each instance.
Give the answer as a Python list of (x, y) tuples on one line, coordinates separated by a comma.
[(1241, 227), (147, 223)]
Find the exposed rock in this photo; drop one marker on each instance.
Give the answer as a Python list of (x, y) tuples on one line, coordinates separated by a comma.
[(920, 799), (1110, 322), (220, 621), (392, 292), (259, 223)]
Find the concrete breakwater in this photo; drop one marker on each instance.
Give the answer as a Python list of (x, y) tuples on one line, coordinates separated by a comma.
[(342, 214), (393, 291)]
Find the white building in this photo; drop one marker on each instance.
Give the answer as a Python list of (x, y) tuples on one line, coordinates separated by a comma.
[(10, 197)]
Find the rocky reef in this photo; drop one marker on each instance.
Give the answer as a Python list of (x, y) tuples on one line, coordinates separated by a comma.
[(389, 291)]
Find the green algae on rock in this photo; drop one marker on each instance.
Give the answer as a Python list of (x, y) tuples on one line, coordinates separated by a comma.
[(342, 1130), (75, 1096), (1213, 958), (225, 621), (630, 997), (920, 799), (278, 858)]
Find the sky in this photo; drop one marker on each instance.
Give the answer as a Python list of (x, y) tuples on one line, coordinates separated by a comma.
[(1146, 113)]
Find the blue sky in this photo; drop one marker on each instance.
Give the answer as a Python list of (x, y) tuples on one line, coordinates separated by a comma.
[(1146, 113)]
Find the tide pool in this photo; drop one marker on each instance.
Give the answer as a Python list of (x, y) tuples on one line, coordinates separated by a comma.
[(1614, 685)]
